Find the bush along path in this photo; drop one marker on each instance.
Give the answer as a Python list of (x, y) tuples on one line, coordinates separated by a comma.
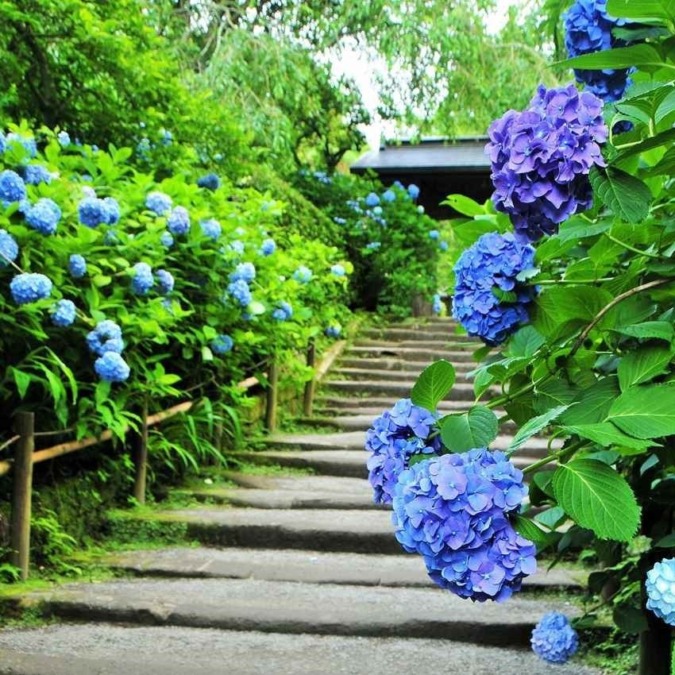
[(299, 573)]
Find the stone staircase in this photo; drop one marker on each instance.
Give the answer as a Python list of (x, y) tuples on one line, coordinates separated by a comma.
[(299, 573)]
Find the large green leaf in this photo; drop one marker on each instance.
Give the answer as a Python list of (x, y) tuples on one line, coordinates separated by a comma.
[(579, 228), (643, 365), (627, 196), (642, 9), (661, 330), (559, 305), (527, 528), (535, 425), (645, 412), (464, 205), (608, 436), (433, 385), (622, 57), (598, 498), (593, 403), (525, 342), (476, 428)]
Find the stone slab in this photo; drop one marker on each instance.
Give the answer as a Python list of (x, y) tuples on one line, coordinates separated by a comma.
[(385, 363), (462, 391), (107, 649), (413, 353), (324, 484)]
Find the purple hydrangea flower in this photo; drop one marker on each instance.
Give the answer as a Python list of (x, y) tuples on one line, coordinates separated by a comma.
[(165, 282), (30, 287), (34, 174), (9, 249), (211, 228), (210, 181), (222, 344), (142, 280), (12, 187), (44, 216), (245, 271), (178, 221), (268, 247), (453, 510), (106, 337), (111, 367), (660, 586), (158, 202), (240, 291), (63, 313), (77, 265), (303, 275), (541, 158), (554, 639)]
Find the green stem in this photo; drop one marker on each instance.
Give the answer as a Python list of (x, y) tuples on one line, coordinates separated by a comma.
[(556, 282), (628, 247), (11, 262), (561, 454)]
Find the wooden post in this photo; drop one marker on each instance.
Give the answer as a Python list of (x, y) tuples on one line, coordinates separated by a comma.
[(272, 391), (310, 386), (141, 457), (21, 497)]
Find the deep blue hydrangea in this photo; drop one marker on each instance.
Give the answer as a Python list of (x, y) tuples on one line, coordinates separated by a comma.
[(372, 200), (660, 586), (436, 304), (63, 138), (106, 337), (222, 344), (166, 239), (338, 270), (142, 280), (333, 331), (158, 202), (588, 29), (44, 216), (553, 638), (77, 265), (111, 367), (488, 267), (453, 511), (210, 181), (413, 191), (211, 228), (541, 158), (178, 221), (268, 247), (165, 282), (303, 275), (9, 249), (112, 210), (63, 313), (283, 312), (93, 211), (388, 196), (12, 187), (393, 438), (27, 142), (30, 287), (240, 291), (245, 271), (34, 174)]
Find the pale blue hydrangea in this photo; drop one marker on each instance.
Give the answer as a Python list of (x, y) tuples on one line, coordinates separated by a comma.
[(553, 638), (34, 174), (434, 234), (142, 280), (373, 245), (268, 247), (240, 291), (166, 137), (165, 282), (64, 139), (158, 202), (211, 228), (660, 587), (9, 249), (236, 247), (77, 265), (388, 196), (30, 287), (106, 337), (245, 271), (111, 367), (27, 142), (222, 344), (12, 187), (44, 216), (339, 221), (166, 239), (436, 304), (143, 148), (63, 313), (3, 143), (338, 270), (283, 312), (178, 221), (413, 191), (303, 275), (112, 210), (372, 200), (443, 245)]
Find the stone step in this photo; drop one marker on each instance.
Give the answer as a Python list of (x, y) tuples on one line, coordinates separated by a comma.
[(428, 333), (387, 364), (309, 567), (378, 403), (328, 485), (462, 391), (108, 649), (373, 374), (291, 608), (414, 353), (451, 350)]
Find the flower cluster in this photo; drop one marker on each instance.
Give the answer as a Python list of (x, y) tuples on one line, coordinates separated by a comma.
[(588, 29), (394, 437), (333, 331), (34, 174), (283, 312), (244, 271), (660, 586), (483, 272), (165, 281), (268, 247), (93, 211), (166, 239), (77, 265), (210, 181), (541, 158), (554, 639), (210, 228), (111, 367), (30, 287), (436, 304), (106, 341), (240, 291), (453, 511), (158, 202), (43, 216), (222, 344), (178, 221), (302, 275), (142, 280), (26, 142), (12, 187), (63, 313), (338, 270), (9, 249)]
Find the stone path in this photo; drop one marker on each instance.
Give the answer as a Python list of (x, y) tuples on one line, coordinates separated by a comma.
[(299, 573)]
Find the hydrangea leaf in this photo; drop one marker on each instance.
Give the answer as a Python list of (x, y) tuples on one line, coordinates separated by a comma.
[(607, 435), (534, 426), (627, 196), (433, 385), (476, 428), (579, 228), (643, 365), (594, 403), (660, 330), (526, 528), (464, 205), (645, 9), (525, 342), (598, 498), (622, 57), (645, 412)]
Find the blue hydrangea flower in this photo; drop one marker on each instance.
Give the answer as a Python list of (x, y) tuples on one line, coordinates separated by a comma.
[(92, 211), (63, 313), (30, 287), (283, 312), (443, 245), (143, 148), (268, 247), (63, 138), (178, 221), (34, 174), (660, 586), (106, 337), (434, 234), (323, 177), (240, 291), (339, 221), (303, 275), (111, 367), (211, 228), (222, 344), (377, 211), (338, 270), (245, 271), (3, 143), (393, 438), (28, 142), (77, 265), (210, 181), (142, 280), (9, 249), (372, 200), (588, 29), (165, 282), (554, 639), (333, 331), (166, 239), (12, 187), (44, 216), (388, 196), (373, 245), (541, 158), (452, 510), (492, 264), (158, 202), (112, 210), (236, 247), (436, 304), (413, 191), (166, 137)]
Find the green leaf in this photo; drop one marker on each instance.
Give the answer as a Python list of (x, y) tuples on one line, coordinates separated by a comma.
[(526, 528), (622, 57), (207, 354), (22, 381), (598, 498), (627, 196), (607, 435), (256, 308), (464, 205), (525, 342), (643, 365), (642, 9), (661, 330), (476, 428), (630, 619), (433, 385), (665, 138), (645, 412), (593, 403), (534, 426), (666, 542), (575, 229), (559, 305)]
